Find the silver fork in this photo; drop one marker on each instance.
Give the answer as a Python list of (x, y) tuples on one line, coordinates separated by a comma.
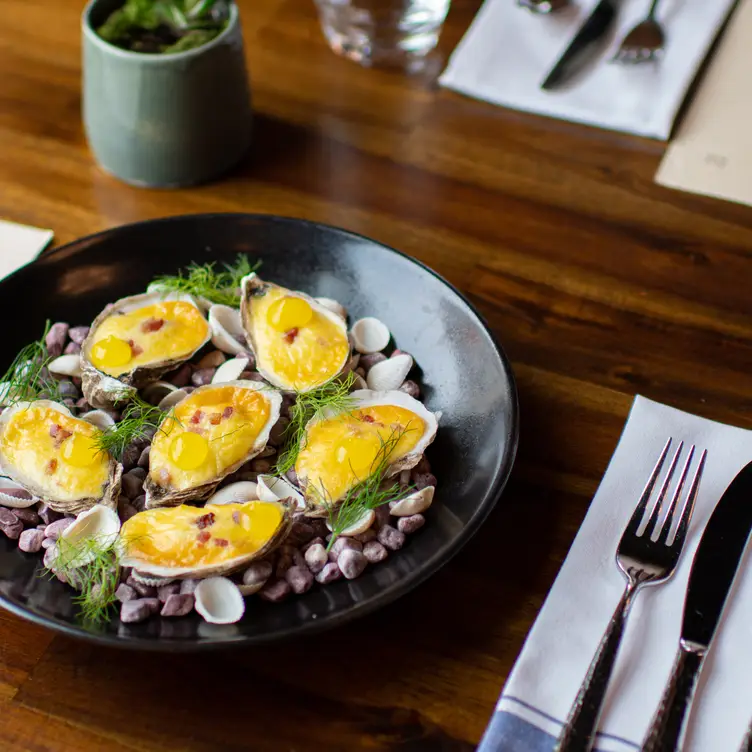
[(645, 43), (646, 555)]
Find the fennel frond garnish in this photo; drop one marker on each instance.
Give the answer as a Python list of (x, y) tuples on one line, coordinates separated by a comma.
[(333, 397), (375, 491), (218, 285), (28, 378), (91, 566)]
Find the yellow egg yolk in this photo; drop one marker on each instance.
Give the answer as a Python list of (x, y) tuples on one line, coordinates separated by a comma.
[(169, 330), (57, 452), (341, 452), (189, 538), (208, 432), (294, 341)]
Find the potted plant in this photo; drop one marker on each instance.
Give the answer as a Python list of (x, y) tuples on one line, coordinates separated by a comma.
[(166, 100)]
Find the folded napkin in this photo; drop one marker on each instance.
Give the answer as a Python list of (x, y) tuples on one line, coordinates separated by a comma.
[(20, 244), (554, 660), (507, 52)]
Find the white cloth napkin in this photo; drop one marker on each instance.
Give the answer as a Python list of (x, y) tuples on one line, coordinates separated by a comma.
[(508, 51), (561, 644), (19, 245)]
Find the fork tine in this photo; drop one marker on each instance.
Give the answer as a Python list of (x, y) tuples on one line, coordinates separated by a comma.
[(668, 521), (689, 504), (655, 512), (639, 512)]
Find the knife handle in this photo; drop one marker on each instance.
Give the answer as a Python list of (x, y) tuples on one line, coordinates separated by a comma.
[(667, 726)]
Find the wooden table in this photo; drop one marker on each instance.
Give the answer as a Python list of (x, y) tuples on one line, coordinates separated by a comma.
[(599, 283)]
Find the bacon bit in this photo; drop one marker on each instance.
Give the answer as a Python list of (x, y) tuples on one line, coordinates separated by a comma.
[(54, 429), (291, 335), (152, 325), (236, 517), (203, 536), (59, 434), (163, 477), (221, 542), (228, 411), (136, 350), (51, 467), (196, 417), (205, 520), (215, 419), (367, 418)]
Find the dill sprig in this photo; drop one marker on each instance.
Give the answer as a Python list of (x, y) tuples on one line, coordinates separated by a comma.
[(138, 422), (333, 397), (207, 281), (91, 565), (371, 493), (28, 378)]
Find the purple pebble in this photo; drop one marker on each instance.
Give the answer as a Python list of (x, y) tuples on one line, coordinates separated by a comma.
[(130, 456), (125, 593), (329, 573), (132, 483), (31, 540), (410, 388), (7, 517), (316, 558), (55, 529), (138, 610), (188, 586), (143, 460), (72, 348), (28, 516), (164, 592), (423, 480), (304, 548), (374, 552), (139, 503), (299, 579), (182, 376), (341, 544), (78, 334), (352, 563), (391, 538), (178, 604), (47, 543), (275, 591), (369, 361), (203, 376), (410, 524), (55, 339), (47, 514), (145, 591)]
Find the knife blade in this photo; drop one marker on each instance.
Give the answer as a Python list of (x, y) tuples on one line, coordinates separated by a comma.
[(711, 577), (584, 45)]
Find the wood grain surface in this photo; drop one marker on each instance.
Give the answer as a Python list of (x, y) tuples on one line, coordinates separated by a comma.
[(599, 283)]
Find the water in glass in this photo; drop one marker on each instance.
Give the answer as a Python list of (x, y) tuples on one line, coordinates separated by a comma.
[(382, 31)]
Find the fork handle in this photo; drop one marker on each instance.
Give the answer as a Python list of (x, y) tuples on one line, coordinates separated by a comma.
[(667, 726), (578, 734)]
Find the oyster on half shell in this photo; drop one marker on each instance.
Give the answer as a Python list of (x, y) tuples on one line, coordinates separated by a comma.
[(207, 436), (54, 456), (381, 430), (136, 340), (299, 343), (188, 541)]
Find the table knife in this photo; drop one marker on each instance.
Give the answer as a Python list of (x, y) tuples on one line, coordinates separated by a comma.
[(584, 45), (713, 570)]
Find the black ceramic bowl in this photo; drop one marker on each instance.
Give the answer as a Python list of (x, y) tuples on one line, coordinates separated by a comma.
[(464, 374)]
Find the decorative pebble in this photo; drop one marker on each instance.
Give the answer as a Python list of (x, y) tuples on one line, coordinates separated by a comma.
[(56, 337), (125, 593), (329, 573), (188, 586), (341, 544), (31, 540), (374, 552), (422, 480), (55, 529), (369, 361), (7, 517), (67, 390), (178, 604), (48, 543), (130, 456), (181, 377), (292, 476), (143, 460), (284, 562), (145, 591), (165, 591), (83, 405), (72, 348), (261, 466), (132, 483), (138, 610), (316, 557), (277, 434), (382, 516), (366, 537), (300, 533), (352, 563), (203, 376), (126, 511), (410, 388), (139, 503), (48, 515), (391, 538), (318, 539), (299, 579), (213, 359), (410, 524), (275, 591), (13, 531), (28, 516), (255, 577)]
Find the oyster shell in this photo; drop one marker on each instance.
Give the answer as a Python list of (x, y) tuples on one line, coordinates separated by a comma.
[(193, 542), (162, 329), (298, 348), (341, 450), (50, 453), (207, 436)]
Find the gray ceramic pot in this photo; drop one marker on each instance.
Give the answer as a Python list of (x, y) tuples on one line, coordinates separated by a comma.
[(165, 120)]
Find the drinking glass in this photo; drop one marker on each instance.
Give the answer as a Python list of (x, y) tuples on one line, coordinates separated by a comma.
[(382, 32)]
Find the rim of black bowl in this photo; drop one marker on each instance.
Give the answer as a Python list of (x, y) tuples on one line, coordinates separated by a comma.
[(388, 595)]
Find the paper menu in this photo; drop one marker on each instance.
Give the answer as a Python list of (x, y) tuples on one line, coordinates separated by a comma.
[(20, 244), (711, 153)]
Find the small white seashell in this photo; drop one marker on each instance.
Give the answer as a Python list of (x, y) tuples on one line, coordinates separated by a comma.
[(390, 373), (415, 503), (172, 399), (369, 335), (333, 306), (230, 370), (156, 392), (99, 418), (65, 365), (219, 601), (100, 524), (235, 493), (226, 326), (360, 525), (14, 502), (272, 488)]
